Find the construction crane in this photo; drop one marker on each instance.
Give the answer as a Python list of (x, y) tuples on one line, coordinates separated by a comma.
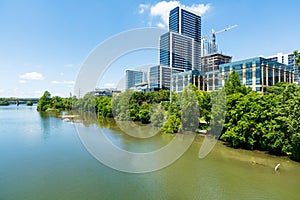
[(213, 34)]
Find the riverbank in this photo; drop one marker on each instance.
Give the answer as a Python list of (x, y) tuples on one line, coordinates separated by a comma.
[(255, 158), (252, 121)]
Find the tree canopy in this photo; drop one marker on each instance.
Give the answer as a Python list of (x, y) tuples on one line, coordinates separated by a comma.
[(297, 59)]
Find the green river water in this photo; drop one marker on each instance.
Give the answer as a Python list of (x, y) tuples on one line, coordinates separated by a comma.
[(42, 157)]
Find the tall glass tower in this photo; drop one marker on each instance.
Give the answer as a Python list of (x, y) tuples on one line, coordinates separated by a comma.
[(181, 46)]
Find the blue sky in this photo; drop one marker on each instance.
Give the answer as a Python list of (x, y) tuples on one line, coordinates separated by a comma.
[(44, 43)]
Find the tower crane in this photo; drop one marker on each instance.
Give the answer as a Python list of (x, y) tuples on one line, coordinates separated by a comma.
[(213, 34)]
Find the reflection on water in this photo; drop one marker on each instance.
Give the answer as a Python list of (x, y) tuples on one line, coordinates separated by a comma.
[(43, 158), (110, 128), (49, 122)]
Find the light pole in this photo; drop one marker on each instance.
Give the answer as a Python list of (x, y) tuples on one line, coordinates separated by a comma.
[(171, 85)]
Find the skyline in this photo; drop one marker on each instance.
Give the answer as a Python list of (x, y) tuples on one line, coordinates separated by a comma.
[(43, 46)]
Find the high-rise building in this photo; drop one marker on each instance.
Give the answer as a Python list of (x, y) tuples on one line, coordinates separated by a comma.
[(181, 46), (185, 22), (134, 78)]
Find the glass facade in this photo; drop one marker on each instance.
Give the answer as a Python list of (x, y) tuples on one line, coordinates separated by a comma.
[(160, 77), (191, 25), (182, 53), (164, 53), (154, 74), (183, 79), (174, 20), (133, 78), (258, 73)]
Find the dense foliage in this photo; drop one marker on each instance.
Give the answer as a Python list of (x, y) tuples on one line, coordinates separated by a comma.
[(13, 100), (29, 103), (4, 102), (268, 122), (46, 102)]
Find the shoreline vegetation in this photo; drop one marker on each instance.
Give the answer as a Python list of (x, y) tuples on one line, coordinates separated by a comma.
[(17, 101), (253, 121)]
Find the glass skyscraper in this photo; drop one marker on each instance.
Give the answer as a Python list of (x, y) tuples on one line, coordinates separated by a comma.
[(181, 46)]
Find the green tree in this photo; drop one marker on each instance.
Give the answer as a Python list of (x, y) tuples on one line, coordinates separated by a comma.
[(189, 105), (297, 59), (295, 150), (265, 122), (44, 102), (29, 103), (157, 115), (144, 113), (233, 84), (4, 102), (120, 106), (172, 125), (173, 116), (57, 103), (103, 105), (88, 103)]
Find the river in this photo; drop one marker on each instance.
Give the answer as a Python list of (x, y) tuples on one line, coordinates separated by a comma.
[(42, 157)]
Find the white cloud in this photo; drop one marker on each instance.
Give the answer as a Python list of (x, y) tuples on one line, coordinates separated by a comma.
[(109, 85), (200, 8), (160, 25), (32, 76), (22, 81), (63, 82), (163, 8), (143, 7)]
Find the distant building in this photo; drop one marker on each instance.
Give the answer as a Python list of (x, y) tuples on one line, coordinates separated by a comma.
[(287, 59), (101, 92), (105, 92), (115, 92), (134, 77), (257, 73), (160, 77), (210, 67)]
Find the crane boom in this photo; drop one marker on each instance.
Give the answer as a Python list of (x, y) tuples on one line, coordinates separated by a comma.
[(213, 34), (225, 29), (217, 32)]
